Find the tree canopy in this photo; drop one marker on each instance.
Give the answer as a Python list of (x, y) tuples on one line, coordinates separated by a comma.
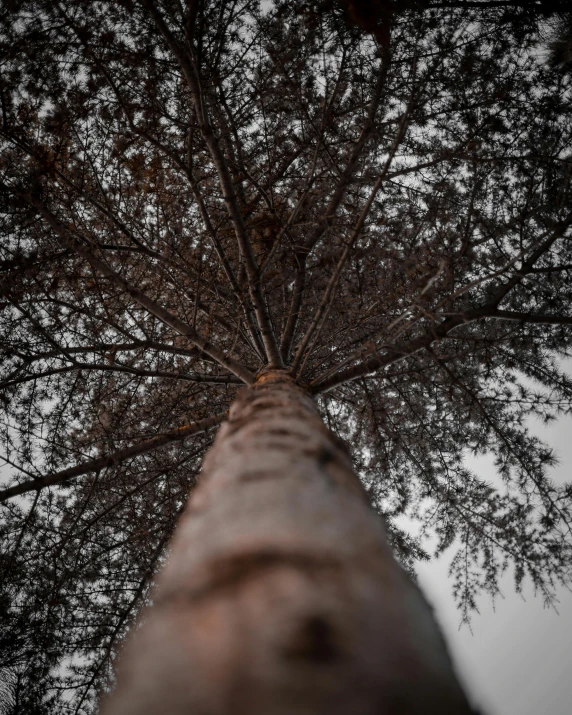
[(191, 192)]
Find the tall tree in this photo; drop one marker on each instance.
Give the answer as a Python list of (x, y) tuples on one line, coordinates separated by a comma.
[(375, 229)]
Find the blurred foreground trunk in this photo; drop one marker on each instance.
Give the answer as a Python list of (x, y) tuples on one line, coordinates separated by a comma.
[(280, 595)]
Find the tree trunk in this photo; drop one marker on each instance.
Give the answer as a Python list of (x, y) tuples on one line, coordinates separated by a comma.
[(280, 595)]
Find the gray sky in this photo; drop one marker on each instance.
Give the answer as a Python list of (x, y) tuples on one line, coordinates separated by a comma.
[(518, 660)]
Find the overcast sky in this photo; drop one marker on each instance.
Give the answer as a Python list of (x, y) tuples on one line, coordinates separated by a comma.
[(518, 659)]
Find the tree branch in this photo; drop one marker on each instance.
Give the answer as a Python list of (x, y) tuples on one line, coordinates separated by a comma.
[(77, 367), (109, 460), (154, 308), (323, 309), (294, 312), (348, 171), (397, 351), (226, 185), (542, 319)]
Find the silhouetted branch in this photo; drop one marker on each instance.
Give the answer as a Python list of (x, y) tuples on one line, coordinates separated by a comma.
[(109, 460)]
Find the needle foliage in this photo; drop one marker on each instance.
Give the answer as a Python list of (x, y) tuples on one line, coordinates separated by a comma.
[(191, 192)]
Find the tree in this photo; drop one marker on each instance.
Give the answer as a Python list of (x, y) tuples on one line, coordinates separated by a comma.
[(199, 197)]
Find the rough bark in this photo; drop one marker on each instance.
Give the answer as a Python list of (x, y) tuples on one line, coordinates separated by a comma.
[(280, 594)]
